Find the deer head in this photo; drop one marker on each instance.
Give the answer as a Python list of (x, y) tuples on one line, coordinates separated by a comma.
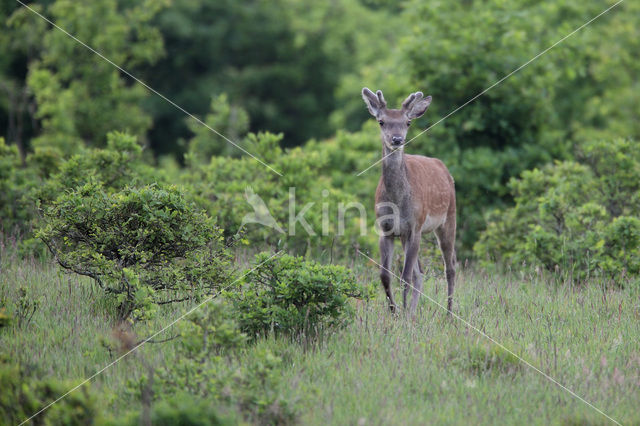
[(394, 123)]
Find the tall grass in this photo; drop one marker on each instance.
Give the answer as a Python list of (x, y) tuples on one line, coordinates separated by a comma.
[(380, 369), (434, 369)]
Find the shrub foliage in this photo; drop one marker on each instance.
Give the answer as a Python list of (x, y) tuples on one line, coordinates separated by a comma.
[(23, 395), (289, 295), (577, 217), (215, 363), (144, 246)]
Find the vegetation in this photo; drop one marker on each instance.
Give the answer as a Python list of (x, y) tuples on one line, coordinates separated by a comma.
[(290, 296), (377, 368), (24, 394), (121, 216), (209, 365), (579, 219), (141, 246)]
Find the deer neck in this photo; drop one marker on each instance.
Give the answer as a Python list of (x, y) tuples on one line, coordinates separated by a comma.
[(394, 175)]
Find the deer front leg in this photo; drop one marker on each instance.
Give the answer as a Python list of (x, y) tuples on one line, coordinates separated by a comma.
[(386, 252), (411, 248)]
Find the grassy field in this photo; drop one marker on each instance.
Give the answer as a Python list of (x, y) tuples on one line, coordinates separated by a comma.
[(383, 369)]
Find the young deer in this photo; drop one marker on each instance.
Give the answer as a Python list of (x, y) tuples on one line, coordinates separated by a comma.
[(415, 194)]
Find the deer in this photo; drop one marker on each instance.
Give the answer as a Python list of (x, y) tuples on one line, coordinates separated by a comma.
[(415, 195)]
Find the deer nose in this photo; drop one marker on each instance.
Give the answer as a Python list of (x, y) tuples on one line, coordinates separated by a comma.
[(397, 140)]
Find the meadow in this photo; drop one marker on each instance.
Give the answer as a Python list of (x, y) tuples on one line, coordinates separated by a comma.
[(381, 368)]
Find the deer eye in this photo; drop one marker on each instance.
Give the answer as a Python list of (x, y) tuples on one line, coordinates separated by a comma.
[(381, 123)]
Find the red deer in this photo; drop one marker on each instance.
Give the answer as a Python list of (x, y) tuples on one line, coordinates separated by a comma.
[(415, 194)]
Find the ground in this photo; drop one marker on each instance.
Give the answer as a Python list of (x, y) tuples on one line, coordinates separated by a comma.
[(383, 369)]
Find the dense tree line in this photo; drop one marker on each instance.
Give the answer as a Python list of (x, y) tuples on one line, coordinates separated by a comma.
[(292, 67)]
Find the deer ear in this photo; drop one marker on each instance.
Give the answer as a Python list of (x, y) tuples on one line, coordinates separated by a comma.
[(375, 103), (418, 106)]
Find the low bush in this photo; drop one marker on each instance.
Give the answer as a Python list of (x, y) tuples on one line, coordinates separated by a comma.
[(23, 395), (245, 196), (578, 218), (181, 409), (26, 188), (143, 246), (214, 363), (289, 295)]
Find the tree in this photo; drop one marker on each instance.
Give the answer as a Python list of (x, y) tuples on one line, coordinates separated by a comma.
[(20, 43), (280, 61), (80, 96)]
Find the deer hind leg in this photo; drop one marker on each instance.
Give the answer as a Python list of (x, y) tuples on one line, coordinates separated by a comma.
[(386, 252), (446, 240), (411, 247), (417, 285)]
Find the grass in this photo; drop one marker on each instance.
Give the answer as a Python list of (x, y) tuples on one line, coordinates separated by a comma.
[(380, 369), (384, 370)]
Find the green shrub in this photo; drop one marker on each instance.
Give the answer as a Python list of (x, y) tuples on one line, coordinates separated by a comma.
[(182, 409), (15, 183), (289, 295), (224, 186), (118, 165), (579, 218), (23, 395), (143, 246), (214, 363), (45, 175)]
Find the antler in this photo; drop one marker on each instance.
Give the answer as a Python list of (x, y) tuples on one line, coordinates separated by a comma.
[(411, 99), (383, 103)]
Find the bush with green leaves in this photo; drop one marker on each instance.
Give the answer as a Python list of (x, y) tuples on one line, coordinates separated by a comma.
[(576, 217), (45, 174), (180, 408), (16, 181), (144, 246), (213, 362), (121, 163), (230, 189), (291, 296), (23, 395)]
